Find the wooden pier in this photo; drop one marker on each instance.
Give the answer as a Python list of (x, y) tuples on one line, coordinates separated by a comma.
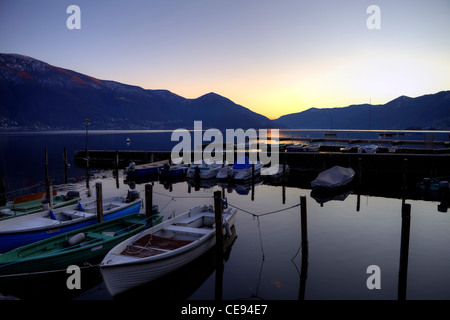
[(422, 164), (392, 175), (428, 144)]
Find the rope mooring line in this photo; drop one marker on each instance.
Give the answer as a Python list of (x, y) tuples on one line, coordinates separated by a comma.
[(87, 265)]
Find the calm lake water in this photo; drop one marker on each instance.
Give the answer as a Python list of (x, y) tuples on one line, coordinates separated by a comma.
[(264, 261)]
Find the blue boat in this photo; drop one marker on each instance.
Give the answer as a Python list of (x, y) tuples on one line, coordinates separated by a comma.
[(242, 168), (27, 229), (171, 171), (134, 170)]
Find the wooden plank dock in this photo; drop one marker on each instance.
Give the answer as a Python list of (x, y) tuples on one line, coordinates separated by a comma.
[(426, 164)]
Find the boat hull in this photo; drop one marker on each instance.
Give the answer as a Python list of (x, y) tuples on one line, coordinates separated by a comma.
[(244, 174), (33, 206), (125, 275), (123, 278), (77, 255)]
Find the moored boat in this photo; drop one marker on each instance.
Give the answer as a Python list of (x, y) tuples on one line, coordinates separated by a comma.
[(312, 147), (162, 249), (370, 148), (333, 178), (85, 245), (175, 170), (34, 203), (203, 171), (295, 148), (242, 169), (275, 172), (145, 169), (225, 173), (26, 229)]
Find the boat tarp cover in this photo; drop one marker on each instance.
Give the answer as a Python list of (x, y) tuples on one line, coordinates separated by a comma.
[(242, 163), (334, 177)]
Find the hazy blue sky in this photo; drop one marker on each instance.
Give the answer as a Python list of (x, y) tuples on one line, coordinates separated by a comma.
[(274, 57)]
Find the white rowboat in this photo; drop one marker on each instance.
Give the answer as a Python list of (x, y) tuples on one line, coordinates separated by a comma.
[(162, 249)]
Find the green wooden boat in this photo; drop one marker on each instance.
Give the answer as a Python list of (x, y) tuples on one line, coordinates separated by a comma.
[(86, 245), (35, 204)]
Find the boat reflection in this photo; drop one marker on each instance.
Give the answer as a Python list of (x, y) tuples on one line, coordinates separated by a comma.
[(322, 197)]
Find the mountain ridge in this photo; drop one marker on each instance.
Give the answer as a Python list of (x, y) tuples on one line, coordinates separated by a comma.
[(430, 111), (36, 95), (39, 96)]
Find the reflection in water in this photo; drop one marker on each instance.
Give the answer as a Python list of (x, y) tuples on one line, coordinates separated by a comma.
[(404, 251)]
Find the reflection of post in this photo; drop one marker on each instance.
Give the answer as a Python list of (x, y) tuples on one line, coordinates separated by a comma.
[(2, 190), (304, 268), (48, 180), (404, 250), (49, 191), (87, 169), (116, 165), (253, 181), (87, 156), (358, 200), (283, 187), (218, 208), (359, 172)]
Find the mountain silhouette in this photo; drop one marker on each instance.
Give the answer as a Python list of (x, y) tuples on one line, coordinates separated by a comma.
[(430, 111), (37, 95)]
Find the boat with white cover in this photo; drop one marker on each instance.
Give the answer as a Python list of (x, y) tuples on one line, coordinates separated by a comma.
[(333, 178), (204, 170)]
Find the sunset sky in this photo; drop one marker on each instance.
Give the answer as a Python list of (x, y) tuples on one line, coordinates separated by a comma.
[(273, 57)]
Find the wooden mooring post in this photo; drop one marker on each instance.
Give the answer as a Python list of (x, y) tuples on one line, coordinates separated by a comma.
[(99, 197), (304, 225), (46, 162), (148, 200), (87, 169), (218, 210), (304, 244), (49, 191), (66, 166), (404, 251)]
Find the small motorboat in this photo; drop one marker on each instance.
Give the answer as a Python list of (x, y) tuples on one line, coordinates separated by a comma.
[(203, 171), (333, 178)]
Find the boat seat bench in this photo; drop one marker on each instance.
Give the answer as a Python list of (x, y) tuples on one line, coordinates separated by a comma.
[(187, 230), (77, 214), (196, 217)]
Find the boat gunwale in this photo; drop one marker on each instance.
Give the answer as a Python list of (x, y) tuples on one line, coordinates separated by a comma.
[(66, 223), (231, 213), (77, 247)]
